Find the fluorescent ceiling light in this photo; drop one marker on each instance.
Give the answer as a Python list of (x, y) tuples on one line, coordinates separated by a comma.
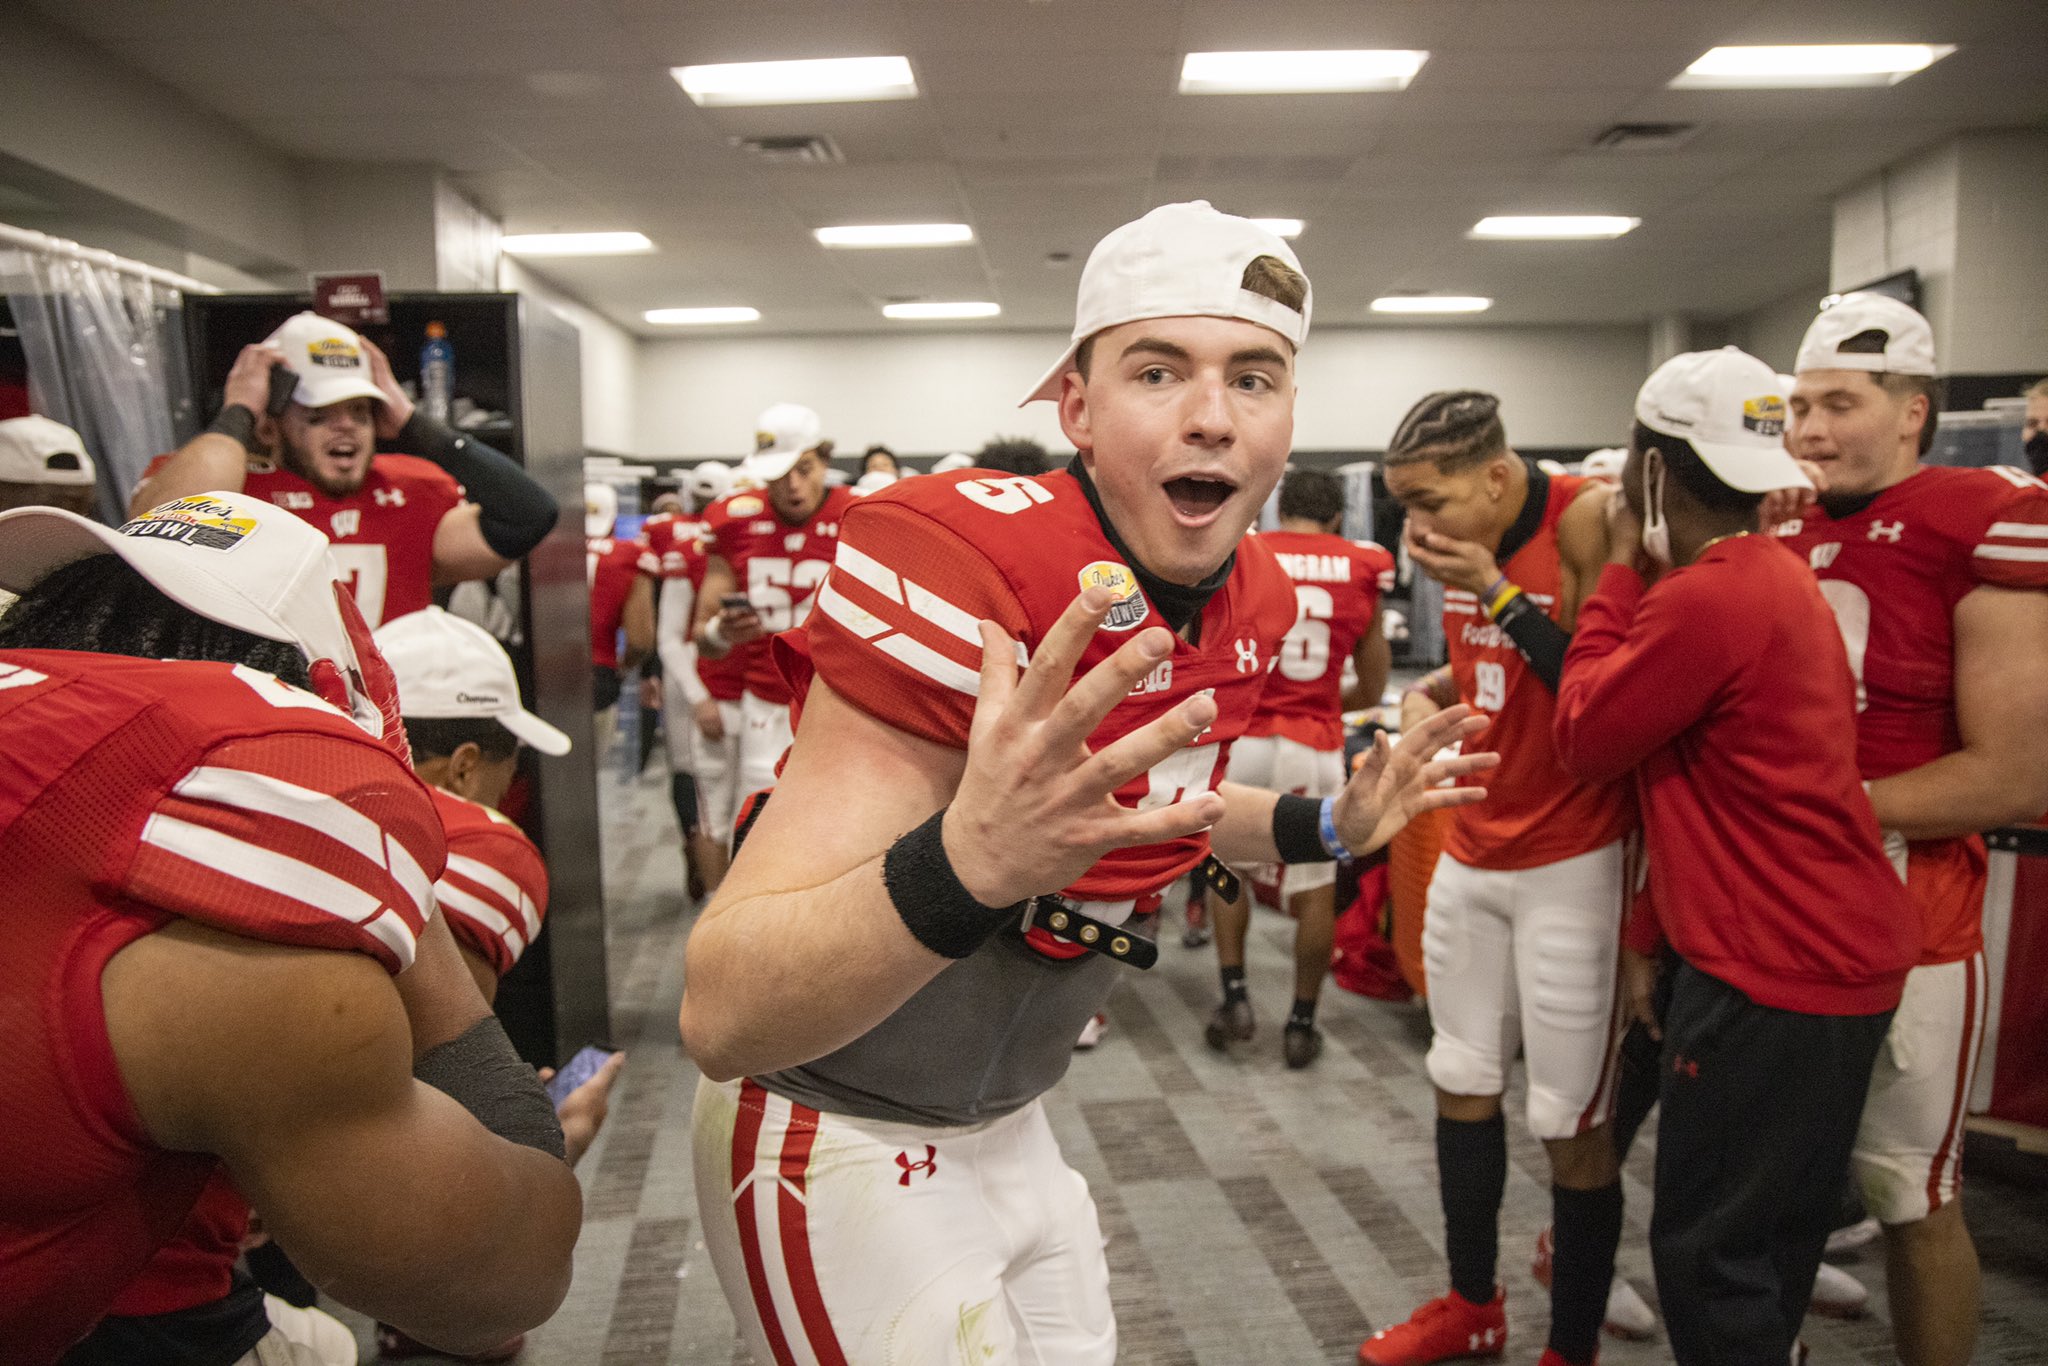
[(690, 317), (1431, 303), (828, 80), (1281, 227), (1811, 65), (1298, 73), (575, 243), (1552, 226), (895, 235), (915, 312)]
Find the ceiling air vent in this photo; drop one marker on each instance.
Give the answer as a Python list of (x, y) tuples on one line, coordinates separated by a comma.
[(800, 149), (1638, 138)]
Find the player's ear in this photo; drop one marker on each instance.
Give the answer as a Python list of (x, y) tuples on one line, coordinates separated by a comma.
[(462, 768), (1075, 418)]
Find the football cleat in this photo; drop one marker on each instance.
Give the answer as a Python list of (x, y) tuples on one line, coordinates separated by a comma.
[(1302, 1045), (1448, 1329), (1232, 1022)]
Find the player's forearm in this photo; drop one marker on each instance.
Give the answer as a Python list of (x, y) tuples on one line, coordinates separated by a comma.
[(674, 615), (778, 978), (1245, 834), (1961, 794), (1374, 660), (516, 512), (209, 462)]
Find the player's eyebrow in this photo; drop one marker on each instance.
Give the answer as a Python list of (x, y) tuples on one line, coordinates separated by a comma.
[(1258, 355), (1157, 346)]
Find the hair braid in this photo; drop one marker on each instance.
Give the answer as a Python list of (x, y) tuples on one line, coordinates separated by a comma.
[(1456, 428)]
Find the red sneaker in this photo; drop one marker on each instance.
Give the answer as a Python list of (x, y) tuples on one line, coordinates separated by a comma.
[(1448, 1329)]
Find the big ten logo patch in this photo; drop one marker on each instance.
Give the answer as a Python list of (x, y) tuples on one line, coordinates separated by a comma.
[(1159, 680), (1129, 608)]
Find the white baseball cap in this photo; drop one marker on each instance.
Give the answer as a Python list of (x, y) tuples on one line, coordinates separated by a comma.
[(782, 433), (873, 481), (1908, 338), (231, 558), (1729, 406), (709, 482), (958, 460), (35, 450), (600, 509), (452, 669), (328, 358), (1178, 261), (1605, 464)]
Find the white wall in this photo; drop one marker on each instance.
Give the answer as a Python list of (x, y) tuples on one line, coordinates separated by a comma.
[(929, 393), (610, 369), (1773, 332)]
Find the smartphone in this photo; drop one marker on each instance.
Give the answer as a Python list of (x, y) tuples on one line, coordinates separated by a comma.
[(736, 602), (575, 1072), (283, 383)]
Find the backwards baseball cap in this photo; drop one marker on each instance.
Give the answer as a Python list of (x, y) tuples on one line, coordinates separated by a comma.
[(35, 450), (1907, 341), (328, 358), (452, 669), (782, 433), (232, 559), (1606, 463), (709, 482), (600, 509), (1178, 261), (1729, 406)]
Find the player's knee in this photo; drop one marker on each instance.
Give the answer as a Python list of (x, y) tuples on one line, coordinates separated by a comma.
[(1896, 1186), (1462, 1070), (1554, 1116)]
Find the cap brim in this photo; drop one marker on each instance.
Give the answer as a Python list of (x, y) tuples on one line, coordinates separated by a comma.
[(769, 466), (535, 732), (1049, 386), (339, 389), (1753, 469)]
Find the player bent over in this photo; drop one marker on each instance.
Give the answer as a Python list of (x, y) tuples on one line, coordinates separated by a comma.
[(875, 1019)]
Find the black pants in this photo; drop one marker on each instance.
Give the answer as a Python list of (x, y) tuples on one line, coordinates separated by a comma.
[(1760, 1108)]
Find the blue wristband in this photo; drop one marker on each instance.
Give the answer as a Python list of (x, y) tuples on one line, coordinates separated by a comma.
[(1326, 826)]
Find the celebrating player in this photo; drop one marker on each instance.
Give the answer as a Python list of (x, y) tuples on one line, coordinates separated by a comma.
[(1523, 920), (1295, 743), (876, 1022), (400, 524), (1936, 578), (622, 578)]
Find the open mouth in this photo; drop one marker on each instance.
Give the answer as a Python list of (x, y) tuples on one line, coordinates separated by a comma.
[(1197, 498)]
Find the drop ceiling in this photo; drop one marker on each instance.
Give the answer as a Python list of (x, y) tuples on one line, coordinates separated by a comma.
[(1044, 123)]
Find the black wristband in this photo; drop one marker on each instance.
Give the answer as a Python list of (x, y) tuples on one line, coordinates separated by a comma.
[(1541, 641), (237, 422), (927, 894), (1297, 829), (478, 1070), (517, 513)]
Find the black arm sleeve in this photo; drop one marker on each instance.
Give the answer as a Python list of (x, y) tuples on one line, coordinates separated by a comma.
[(1541, 640), (517, 512)]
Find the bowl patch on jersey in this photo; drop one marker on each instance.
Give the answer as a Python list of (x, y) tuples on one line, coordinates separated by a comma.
[(193, 521), (1129, 609), (745, 505)]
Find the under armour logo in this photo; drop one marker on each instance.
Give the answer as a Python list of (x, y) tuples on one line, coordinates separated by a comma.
[(390, 498), (1882, 531), (1682, 1066), (928, 1164), (1247, 655), (346, 522), (1824, 555)]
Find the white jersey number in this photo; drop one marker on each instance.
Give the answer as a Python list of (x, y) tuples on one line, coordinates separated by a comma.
[(1178, 774), (1852, 613), (774, 585), (1305, 654), (1005, 495), (367, 572), (1493, 685)]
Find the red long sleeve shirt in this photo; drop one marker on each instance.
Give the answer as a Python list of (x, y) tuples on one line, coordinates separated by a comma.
[(1726, 689)]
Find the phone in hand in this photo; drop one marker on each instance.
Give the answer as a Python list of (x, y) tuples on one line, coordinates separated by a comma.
[(735, 602), (283, 383), (575, 1072)]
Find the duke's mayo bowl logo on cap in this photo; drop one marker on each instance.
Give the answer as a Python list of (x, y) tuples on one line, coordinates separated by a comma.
[(337, 352), (763, 440), (1129, 609), (193, 521), (746, 505), (1765, 415)]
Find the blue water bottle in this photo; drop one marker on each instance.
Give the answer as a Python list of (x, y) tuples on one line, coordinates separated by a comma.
[(437, 373)]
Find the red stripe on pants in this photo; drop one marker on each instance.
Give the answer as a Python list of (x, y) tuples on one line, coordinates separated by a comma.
[(1971, 1040), (796, 1237), (746, 1137)]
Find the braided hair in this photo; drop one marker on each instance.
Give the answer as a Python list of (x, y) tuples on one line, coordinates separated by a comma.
[(1458, 429), (100, 605)]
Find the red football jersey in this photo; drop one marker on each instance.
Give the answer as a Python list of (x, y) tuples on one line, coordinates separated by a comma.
[(613, 566), (495, 890), (679, 543), (923, 560), (778, 567), (138, 791), (1337, 587), (1534, 813), (1894, 572)]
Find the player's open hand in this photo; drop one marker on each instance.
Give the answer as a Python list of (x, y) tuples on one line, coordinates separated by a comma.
[(1396, 783), (710, 721), (1639, 991), (1452, 562), (582, 1111), (396, 410), (1035, 807)]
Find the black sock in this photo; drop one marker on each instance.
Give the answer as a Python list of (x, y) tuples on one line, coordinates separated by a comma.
[(1582, 1267), (1233, 985), (1303, 1016), (1472, 1172)]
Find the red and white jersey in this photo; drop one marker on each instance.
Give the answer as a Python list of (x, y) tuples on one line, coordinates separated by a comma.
[(679, 541), (778, 567), (613, 566), (495, 889), (673, 538), (1534, 813), (1893, 572), (136, 792), (923, 560), (1337, 587)]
